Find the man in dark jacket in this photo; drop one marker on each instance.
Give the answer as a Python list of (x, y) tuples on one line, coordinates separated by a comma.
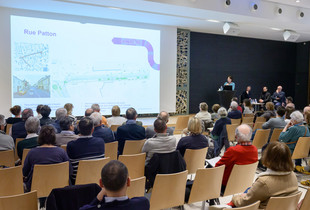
[(265, 96), (246, 94), (18, 129), (100, 130)]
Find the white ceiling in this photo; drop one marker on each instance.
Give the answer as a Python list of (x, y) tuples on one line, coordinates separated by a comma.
[(188, 14)]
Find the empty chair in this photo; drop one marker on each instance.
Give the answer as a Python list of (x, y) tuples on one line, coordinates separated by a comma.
[(246, 120), (11, 181), (195, 158), (26, 201), (137, 187), (25, 153), (275, 134), (111, 150), (89, 171), (258, 125), (241, 177), (284, 203), (133, 147), (134, 163), (8, 129), (253, 206), (261, 138), (302, 148), (16, 143), (305, 205), (260, 119), (168, 190), (64, 147), (7, 158), (47, 177), (181, 124), (231, 129), (236, 121), (114, 127)]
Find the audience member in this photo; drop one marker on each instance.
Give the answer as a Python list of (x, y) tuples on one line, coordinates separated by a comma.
[(277, 122), (237, 101), (116, 119), (69, 107), (269, 111), (289, 99), (96, 108), (246, 94), (288, 112), (290, 105), (6, 141), (129, 131), (203, 113), (215, 108), (67, 131), (100, 130), (38, 110), (45, 112), (307, 118), (265, 96), (248, 109), (234, 113), (61, 113), (86, 146), (18, 129), (114, 182), (150, 132), (195, 140), (16, 111), (88, 112), (278, 97)]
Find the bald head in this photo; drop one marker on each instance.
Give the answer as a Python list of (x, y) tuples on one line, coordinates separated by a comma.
[(279, 88), (306, 109), (243, 133), (88, 112), (164, 116)]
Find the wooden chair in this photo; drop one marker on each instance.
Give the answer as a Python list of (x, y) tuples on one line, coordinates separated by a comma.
[(134, 163), (248, 115), (305, 205), (7, 158), (261, 138), (181, 124), (26, 201), (114, 127), (253, 206), (89, 171), (258, 125), (211, 177), (111, 150), (47, 177), (11, 181), (275, 134), (241, 177), (249, 124), (137, 187), (260, 119), (231, 131), (302, 148), (235, 121), (133, 147), (246, 120), (168, 190), (16, 143), (25, 153), (64, 147), (283, 203), (195, 158), (8, 128)]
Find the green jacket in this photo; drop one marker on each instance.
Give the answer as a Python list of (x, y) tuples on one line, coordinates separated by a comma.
[(292, 135)]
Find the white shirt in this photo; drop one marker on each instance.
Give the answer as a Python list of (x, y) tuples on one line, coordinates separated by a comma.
[(204, 115), (116, 120)]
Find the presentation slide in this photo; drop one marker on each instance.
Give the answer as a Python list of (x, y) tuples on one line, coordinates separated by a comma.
[(56, 62)]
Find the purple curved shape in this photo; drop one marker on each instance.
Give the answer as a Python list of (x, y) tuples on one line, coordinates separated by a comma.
[(139, 42)]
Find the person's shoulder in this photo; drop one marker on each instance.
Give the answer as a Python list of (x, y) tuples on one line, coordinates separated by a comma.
[(140, 202)]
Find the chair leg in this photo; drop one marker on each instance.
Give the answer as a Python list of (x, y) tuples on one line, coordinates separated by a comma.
[(203, 205)]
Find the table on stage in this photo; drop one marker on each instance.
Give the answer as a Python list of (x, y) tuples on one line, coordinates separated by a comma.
[(257, 106)]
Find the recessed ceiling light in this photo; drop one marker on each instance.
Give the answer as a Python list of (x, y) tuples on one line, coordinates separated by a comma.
[(276, 29), (297, 1), (213, 21)]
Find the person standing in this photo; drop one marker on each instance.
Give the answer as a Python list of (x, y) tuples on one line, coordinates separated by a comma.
[(230, 82)]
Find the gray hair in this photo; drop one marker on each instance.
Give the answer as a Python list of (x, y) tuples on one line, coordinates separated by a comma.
[(222, 112), (32, 125), (131, 113), (95, 107), (234, 105), (164, 116), (297, 116), (96, 118), (26, 113), (241, 135), (2, 120), (61, 113)]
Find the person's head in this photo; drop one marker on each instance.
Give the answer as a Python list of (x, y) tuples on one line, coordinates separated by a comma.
[(88, 112), (2, 122), (291, 105), (115, 178), (68, 107), (194, 126), (203, 106), (39, 107), (247, 103), (307, 117), (66, 124), (86, 126), (279, 88), (32, 125), (222, 112), (277, 157), (160, 126), (164, 116), (61, 113), (280, 111), (235, 99), (229, 79), (96, 118), (243, 133), (248, 88), (307, 108), (289, 99), (95, 107), (116, 111), (215, 108), (297, 117), (47, 135), (234, 105), (265, 89), (131, 114), (15, 110), (270, 106), (288, 112), (45, 111), (26, 113)]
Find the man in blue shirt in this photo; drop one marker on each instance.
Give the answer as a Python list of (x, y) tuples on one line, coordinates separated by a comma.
[(100, 130), (278, 97)]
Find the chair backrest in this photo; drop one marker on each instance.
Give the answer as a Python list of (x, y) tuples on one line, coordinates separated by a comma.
[(260, 119), (168, 190), (302, 148), (246, 120), (137, 187), (11, 181), (258, 125), (22, 201), (231, 130), (261, 138), (8, 128), (25, 153), (16, 143), (50, 176), (133, 147), (275, 134), (211, 177), (89, 171), (134, 163), (111, 150), (241, 177), (253, 206), (195, 158), (248, 115), (283, 203), (64, 147), (114, 127), (7, 158), (306, 202), (182, 122), (236, 121)]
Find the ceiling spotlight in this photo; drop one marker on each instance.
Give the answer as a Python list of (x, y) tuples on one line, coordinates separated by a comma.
[(297, 1), (227, 2), (254, 7), (290, 36), (278, 10), (300, 14), (231, 29)]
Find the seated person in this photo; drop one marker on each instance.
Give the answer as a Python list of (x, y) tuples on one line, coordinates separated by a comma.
[(290, 105), (234, 113), (45, 153), (203, 114), (288, 111), (85, 147), (236, 100), (60, 114), (38, 110), (32, 126), (88, 112), (277, 122), (6, 141), (114, 182), (214, 115), (16, 111), (45, 112), (116, 119), (269, 111), (278, 97), (161, 142), (96, 108), (69, 107), (150, 132), (248, 109), (100, 130), (289, 100), (18, 129), (246, 94), (67, 131), (195, 140), (129, 131), (265, 96)]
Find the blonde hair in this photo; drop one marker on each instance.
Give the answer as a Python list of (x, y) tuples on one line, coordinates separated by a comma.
[(270, 106), (203, 106), (116, 111), (194, 126), (69, 108)]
